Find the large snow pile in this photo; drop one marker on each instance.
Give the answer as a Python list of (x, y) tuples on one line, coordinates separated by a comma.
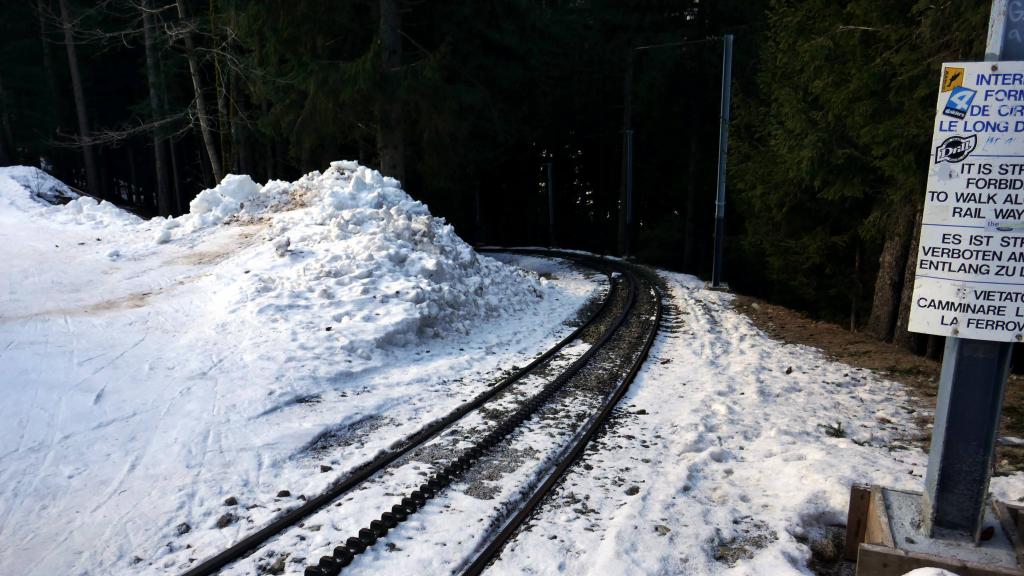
[(346, 250), (39, 184), (350, 250)]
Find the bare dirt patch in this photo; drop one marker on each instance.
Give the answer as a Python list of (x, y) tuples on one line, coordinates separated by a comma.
[(125, 302), (221, 251)]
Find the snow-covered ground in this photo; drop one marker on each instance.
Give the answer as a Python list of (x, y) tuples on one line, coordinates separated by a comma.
[(152, 369), (163, 381), (729, 454)]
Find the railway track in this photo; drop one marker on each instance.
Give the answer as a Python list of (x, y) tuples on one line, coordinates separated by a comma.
[(545, 403)]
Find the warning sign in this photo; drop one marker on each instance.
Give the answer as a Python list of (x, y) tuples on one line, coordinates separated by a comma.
[(952, 77), (970, 264)]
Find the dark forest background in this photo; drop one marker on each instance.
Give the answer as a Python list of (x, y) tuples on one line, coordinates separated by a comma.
[(478, 106)]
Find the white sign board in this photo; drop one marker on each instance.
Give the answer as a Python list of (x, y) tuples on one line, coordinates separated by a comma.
[(970, 264)]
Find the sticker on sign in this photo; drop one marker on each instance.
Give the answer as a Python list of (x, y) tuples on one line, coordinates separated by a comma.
[(969, 274)]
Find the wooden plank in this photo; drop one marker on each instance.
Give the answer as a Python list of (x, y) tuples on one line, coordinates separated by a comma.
[(874, 560), (878, 530), (1010, 517), (856, 520)]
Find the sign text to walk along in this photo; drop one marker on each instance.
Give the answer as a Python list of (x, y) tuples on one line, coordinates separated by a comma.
[(970, 264)]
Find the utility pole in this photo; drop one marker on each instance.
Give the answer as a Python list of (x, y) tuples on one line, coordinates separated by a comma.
[(723, 153), (628, 238), (974, 375), (626, 196)]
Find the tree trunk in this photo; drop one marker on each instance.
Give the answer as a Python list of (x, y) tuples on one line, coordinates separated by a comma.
[(91, 176), (51, 78), (903, 337), (204, 167), (178, 198), (239, 161), (179, 203), (224, 130), (204, 118), (132, 180), (220, 89), (627, 126), (239, 142), (390, 145), (478, 222), (886, 303), (689, 233), (42, 9), (164, 201), (856, 291), (268, 147), (6, 140)]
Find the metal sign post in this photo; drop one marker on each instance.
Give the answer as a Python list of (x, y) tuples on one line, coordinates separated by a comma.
[(723, 152), (963, 441), (974, 371)]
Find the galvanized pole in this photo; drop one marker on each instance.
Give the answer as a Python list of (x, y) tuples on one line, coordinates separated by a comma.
[(723, 152), (551, 204), (974, 374)]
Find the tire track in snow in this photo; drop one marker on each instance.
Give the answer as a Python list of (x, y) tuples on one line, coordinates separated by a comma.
[(126, 471), (112, 361)]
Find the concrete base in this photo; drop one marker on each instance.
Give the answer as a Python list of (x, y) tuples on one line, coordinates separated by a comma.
[(884, 535)]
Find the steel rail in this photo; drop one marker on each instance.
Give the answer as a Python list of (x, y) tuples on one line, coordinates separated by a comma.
[(344, 554), (251, 542), (494, 547)]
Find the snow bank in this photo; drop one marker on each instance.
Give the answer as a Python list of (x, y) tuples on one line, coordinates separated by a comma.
[(347, 250), (87, 210), (30, 190), (39, 184), (215, 205)]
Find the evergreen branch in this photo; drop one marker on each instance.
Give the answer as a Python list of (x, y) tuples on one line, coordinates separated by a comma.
[(113, 137), (845, 28)]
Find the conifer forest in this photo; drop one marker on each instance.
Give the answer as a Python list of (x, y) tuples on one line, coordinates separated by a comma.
[(481, 108)]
